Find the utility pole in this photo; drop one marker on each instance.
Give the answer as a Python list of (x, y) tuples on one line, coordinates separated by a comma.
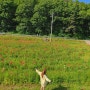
[(51, 27)]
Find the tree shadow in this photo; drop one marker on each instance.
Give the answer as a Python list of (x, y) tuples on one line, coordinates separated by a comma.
[(60, 88)]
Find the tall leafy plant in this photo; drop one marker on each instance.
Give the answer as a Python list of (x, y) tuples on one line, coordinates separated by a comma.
[(7, 15)]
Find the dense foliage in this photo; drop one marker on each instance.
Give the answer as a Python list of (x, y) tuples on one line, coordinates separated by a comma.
[(71, 17)]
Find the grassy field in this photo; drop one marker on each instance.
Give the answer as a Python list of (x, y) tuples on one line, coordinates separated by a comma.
[(67, 63)]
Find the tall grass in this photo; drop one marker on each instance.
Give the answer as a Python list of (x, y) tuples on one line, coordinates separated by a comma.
[(66, 61)]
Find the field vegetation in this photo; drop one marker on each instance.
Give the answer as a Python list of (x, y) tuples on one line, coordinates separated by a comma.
[(67, 63)]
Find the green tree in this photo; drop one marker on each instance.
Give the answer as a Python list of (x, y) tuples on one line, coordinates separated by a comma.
[(61, 14), (84, 16), (41, 18), (24, 13), (72, 28), (7, 15), (71, 17)]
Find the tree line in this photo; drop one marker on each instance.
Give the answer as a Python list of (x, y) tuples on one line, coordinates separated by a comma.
[(71, 17)]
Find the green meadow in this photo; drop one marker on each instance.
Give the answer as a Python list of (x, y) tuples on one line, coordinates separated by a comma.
[(67, 63)]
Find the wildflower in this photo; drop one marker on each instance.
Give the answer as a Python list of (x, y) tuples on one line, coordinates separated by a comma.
[(3, 69), (10, 63), (22, 62)]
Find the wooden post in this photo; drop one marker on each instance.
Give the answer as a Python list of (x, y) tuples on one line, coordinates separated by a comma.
[(51, 27)]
